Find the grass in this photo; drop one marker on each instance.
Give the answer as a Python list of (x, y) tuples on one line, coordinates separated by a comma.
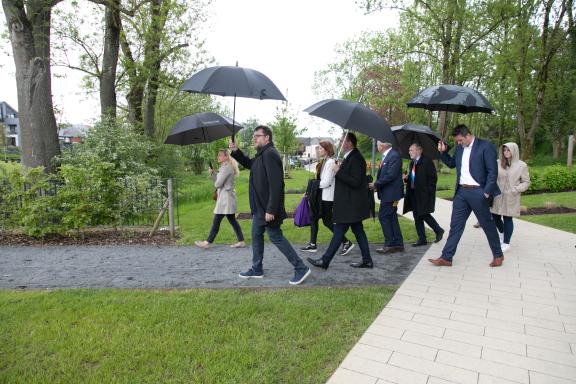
[(565, 199), (191, 336), (564, 222), (196, 216)]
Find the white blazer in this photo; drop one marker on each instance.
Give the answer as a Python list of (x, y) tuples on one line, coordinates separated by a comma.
[(327, 180)]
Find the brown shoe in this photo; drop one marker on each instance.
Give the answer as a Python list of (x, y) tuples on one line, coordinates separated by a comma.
[(387, 250), (497, 262), (440, 262)]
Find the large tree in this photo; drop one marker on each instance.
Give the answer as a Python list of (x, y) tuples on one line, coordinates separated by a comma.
[(29, 24)]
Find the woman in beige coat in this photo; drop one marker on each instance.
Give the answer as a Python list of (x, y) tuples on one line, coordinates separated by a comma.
[(513, 179), (226, 202)]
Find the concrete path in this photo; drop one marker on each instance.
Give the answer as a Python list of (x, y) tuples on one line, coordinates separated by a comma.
[(473, 324)]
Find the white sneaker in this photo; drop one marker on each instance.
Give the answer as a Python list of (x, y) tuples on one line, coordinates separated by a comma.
[(505, 247), (202, 244), (239, 244)]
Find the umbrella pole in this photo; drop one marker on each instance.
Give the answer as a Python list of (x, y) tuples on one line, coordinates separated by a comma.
[(341, 144), (234, 116)]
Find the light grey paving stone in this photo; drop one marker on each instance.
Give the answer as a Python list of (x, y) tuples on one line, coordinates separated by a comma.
[(384, 371), (449, 324), (443, 344), (490, 342), (528, 339), (369, 352), (540, 378), (486, 321), (436, 369), (392, 344), (487, 379), (345, 376), (552, 356)]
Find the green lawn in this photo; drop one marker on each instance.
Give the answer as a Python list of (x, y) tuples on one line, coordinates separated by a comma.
[(565, 222), (181, 336), (196, 217), (565, 199)]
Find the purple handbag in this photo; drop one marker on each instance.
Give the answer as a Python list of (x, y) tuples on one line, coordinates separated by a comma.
[(302, 214)]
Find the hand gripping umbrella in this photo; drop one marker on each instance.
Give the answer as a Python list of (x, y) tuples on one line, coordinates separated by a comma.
[(451, 98), (354, 117), (201, 128), (233, 81)]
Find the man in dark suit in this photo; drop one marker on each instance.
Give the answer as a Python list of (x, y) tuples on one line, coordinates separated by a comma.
[(350, 204), (421, 194), (390, 190), (476, 175), (266, 194)]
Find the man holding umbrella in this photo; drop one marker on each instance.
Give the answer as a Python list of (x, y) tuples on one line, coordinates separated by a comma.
[(266, 193), (421, 194)]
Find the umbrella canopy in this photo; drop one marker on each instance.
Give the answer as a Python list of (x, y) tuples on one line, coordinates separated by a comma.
[(201, 128), (353, 116), (452, 98), (233, 81), (408, 134)]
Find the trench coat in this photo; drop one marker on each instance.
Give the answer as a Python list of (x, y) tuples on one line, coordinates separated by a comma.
[(224, 181), (512, 181)]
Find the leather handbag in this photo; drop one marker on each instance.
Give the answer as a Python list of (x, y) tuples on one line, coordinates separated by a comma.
[(215, 195)]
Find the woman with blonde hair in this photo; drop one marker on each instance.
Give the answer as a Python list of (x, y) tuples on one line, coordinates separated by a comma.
[(513, 179), (325, 174), (226, 203)]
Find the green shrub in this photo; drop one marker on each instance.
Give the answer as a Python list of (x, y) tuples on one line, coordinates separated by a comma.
[(555, 178)]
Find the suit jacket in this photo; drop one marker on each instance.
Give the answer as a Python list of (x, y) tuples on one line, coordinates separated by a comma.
[(388, 182), (266, 184), (423, 195), (350, 202), (483, 165)]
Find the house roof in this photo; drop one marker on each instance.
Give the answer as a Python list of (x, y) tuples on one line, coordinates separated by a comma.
[(76, 130)]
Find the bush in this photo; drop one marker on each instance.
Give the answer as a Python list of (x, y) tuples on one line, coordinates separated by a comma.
[(556, 178)]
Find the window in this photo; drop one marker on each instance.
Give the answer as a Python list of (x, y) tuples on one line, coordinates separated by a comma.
[(12, 141), (12, 129)]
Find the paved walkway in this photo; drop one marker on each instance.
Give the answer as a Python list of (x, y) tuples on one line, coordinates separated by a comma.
[(473, 324)]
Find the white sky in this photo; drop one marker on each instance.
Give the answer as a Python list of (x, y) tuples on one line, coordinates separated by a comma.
[(287, 40)]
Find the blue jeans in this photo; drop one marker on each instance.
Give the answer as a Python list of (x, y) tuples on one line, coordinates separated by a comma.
[(216, 227), (339, 232), (390, 226), (506, 227), (278, 239), (466, 201)]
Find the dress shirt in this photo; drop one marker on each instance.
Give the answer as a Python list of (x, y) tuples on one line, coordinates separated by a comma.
[(465, 176)]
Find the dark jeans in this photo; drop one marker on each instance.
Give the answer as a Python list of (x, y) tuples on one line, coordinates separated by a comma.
[(278, 239), (506, 227), (419, 221), (390, 226), (339, 232), (466, 201), (216, 226), (326, 220)]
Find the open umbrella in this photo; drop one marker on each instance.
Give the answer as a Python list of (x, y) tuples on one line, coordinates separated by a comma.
[(354, 117), (201, 128), (452, 98), (408, 134), (233, 81)]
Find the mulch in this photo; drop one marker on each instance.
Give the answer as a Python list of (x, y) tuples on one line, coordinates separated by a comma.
[(134, 236), (547, 211)]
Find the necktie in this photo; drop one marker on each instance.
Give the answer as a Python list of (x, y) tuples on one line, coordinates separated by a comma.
[(413, 174)]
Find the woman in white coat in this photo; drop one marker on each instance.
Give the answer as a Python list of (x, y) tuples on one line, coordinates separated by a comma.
[(325, 174), (513, 179), (226, 203)]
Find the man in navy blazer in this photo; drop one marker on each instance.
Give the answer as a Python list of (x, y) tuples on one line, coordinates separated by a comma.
[(476, 174), (390, 190)]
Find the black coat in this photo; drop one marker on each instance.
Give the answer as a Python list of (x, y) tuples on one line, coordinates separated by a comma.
[(424, 191), (350, 199), (266, 184)]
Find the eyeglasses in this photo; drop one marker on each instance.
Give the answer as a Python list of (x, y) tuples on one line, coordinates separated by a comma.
[(255, 136)]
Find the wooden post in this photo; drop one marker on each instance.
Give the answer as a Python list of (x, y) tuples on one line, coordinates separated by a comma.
[(170, 208), (159, 218), (570, 150)]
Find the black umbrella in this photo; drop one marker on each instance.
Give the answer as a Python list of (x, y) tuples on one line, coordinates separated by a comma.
[(201, 128), (408, 134), (354, 117), (452, 98), (233, 81)]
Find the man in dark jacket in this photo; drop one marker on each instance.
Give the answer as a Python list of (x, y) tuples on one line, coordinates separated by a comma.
[(390, 190), (476, 176), (266, 193), (421, 194), (350, 204)]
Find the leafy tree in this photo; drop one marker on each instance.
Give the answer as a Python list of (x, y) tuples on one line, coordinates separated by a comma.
[(285, 133)]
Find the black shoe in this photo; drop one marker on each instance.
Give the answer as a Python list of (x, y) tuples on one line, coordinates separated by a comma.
[(419, 243), (346, 248), (439, 236), (317, 263), (310, 248), (363, 264), (387, 250)]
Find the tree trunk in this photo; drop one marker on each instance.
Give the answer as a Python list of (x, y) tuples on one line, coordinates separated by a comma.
[(556, 149), (30, 40), (135, 96), (110, 59)]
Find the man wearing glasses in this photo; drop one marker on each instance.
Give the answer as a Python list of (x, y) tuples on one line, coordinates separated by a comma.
[(266, 193)]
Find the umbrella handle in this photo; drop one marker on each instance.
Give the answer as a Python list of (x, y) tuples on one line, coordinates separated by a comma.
[(341, 145), (234, 117)]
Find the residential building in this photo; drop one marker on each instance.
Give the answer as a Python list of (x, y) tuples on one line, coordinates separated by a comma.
[(9, 118)]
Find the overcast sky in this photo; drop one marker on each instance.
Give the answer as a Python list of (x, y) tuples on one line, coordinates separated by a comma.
[(287, 40)]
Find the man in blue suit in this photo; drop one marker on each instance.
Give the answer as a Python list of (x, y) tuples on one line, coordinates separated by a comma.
[(390, 189), (476, 175)]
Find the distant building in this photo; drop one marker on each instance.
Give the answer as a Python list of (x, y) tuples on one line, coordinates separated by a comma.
[(9, 118), (308, 146), (72, 133)]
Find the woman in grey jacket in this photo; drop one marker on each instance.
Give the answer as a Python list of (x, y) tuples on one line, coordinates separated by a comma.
[(226, 203)]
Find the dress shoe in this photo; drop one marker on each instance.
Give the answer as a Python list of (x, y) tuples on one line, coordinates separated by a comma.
[(317, 263), (363, 264), (440, 262), (439, 236), (387, 250), (497, 261), (419, 243)]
